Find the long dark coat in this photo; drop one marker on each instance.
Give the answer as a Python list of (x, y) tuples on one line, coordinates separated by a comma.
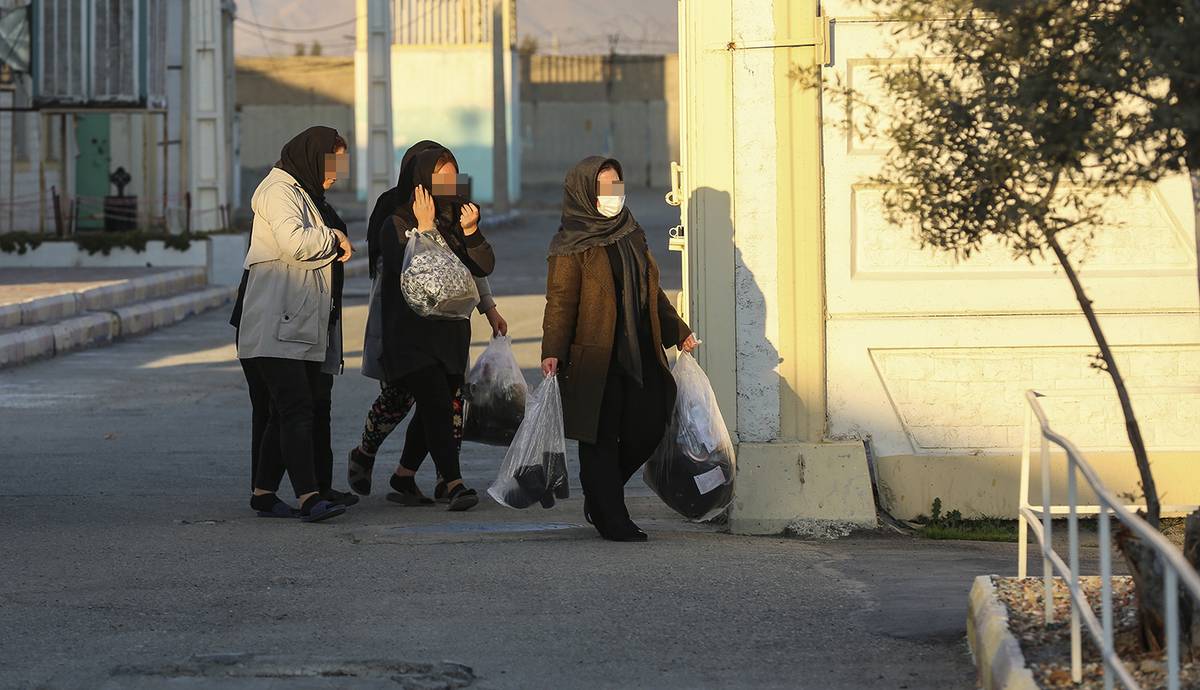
[(579, 326)]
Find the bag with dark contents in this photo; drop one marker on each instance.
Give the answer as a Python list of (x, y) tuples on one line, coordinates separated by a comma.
[(535, 467), (693, 468), (435, 283), (495, 394)]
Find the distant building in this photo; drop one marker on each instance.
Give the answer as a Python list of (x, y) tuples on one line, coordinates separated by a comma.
[(90, 86), (443, 79)]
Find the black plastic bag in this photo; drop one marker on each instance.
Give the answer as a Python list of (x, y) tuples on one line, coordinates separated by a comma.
[(495, 395)]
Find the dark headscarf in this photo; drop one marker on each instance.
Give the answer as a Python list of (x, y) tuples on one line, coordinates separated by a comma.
[(392, 199), (304, 158), (417, 169), (584, 227)]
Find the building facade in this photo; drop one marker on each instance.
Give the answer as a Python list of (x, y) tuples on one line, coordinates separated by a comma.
[(141, 85), (446, 78), (853, 349)]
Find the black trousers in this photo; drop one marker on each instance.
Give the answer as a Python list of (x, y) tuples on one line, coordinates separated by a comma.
[(433, 390), (632, 422), (260, 415), (293, 388), (322, 431)]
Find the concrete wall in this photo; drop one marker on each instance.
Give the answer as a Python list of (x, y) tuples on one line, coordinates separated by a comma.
[(278, 98), (753, 295), (577, 105), (826, 328)]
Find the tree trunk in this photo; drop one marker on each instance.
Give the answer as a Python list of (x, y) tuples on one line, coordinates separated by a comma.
[(1195, 177), (1143, 563), (1132, 429)]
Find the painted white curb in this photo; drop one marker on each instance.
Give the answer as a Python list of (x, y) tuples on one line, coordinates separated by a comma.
[(103, 327), (998, 657), (52, 308)]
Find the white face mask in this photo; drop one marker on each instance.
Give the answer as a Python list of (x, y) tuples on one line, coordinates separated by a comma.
[(610, 206)]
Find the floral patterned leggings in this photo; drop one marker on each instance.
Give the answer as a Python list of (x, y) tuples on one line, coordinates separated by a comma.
[(390, 408)]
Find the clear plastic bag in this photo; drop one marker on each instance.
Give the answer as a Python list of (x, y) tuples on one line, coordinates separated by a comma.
[(535, 468), (693, 468), (495, 395), (434, 281)]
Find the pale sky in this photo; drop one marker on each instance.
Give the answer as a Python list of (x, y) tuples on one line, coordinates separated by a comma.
[(580, 26)]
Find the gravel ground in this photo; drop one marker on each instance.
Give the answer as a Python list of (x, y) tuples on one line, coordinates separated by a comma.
[(1047, 648)]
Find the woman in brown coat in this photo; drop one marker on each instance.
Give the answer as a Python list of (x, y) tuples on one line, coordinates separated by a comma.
[(606, 325)]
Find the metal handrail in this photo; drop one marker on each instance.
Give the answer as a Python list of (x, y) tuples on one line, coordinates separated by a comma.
[(1176, 570)]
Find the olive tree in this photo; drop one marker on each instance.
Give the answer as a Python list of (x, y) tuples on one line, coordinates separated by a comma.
[(1012, 126)]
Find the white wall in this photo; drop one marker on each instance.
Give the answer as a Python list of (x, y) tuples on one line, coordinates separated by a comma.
[(756, 268)]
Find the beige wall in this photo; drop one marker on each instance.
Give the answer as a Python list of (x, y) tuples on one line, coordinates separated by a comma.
[(568, 102), (929, 358), (280, 97)]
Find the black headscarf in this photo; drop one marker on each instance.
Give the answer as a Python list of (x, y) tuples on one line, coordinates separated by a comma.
[(584, 227), (392, 199), (304, 158)]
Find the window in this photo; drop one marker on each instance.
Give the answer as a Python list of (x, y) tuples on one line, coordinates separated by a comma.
[(107, 51), (61, 77)]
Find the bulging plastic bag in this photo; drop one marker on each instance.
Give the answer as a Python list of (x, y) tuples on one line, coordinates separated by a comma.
[(693, 468), (434, 281), (495, 395), (535, 468)]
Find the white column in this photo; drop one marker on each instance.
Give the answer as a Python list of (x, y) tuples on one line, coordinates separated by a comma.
[(373, 70), (207, 147)]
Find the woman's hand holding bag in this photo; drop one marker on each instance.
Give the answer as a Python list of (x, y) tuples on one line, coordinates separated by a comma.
[(435, 283)]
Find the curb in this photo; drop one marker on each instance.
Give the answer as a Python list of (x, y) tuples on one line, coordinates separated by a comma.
[(44, 310), (97, 328), (998, 657)]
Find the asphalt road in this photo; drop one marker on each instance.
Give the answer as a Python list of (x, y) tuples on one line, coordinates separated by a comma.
[(131, 558)]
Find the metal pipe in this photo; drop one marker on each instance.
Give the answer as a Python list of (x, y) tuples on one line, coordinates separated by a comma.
[(1047, 533), (1106, 612), (1171, 592), (1073, 539), (1023, 489)]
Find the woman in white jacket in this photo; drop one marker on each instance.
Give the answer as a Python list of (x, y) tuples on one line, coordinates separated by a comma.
[(283, 332)]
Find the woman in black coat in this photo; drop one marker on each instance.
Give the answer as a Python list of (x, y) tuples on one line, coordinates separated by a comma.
[(427, 357)]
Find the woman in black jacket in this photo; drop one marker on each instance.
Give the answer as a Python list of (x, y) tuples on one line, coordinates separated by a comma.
[(427, 357)]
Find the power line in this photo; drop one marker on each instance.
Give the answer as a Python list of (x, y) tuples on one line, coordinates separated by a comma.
[(267, 48), (307, 30)]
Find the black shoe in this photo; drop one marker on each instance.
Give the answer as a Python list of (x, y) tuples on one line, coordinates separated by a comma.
[(439, 492), (406, 493), (339, 498), (317, 509), (358, 471), (462, 498), (632, 535)]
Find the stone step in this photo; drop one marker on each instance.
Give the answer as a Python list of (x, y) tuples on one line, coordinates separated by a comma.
[(48, 309), (26, 343)]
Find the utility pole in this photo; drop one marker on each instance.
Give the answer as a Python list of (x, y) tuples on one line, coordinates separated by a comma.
[(501, 23), (611, 135), (374, 39)]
